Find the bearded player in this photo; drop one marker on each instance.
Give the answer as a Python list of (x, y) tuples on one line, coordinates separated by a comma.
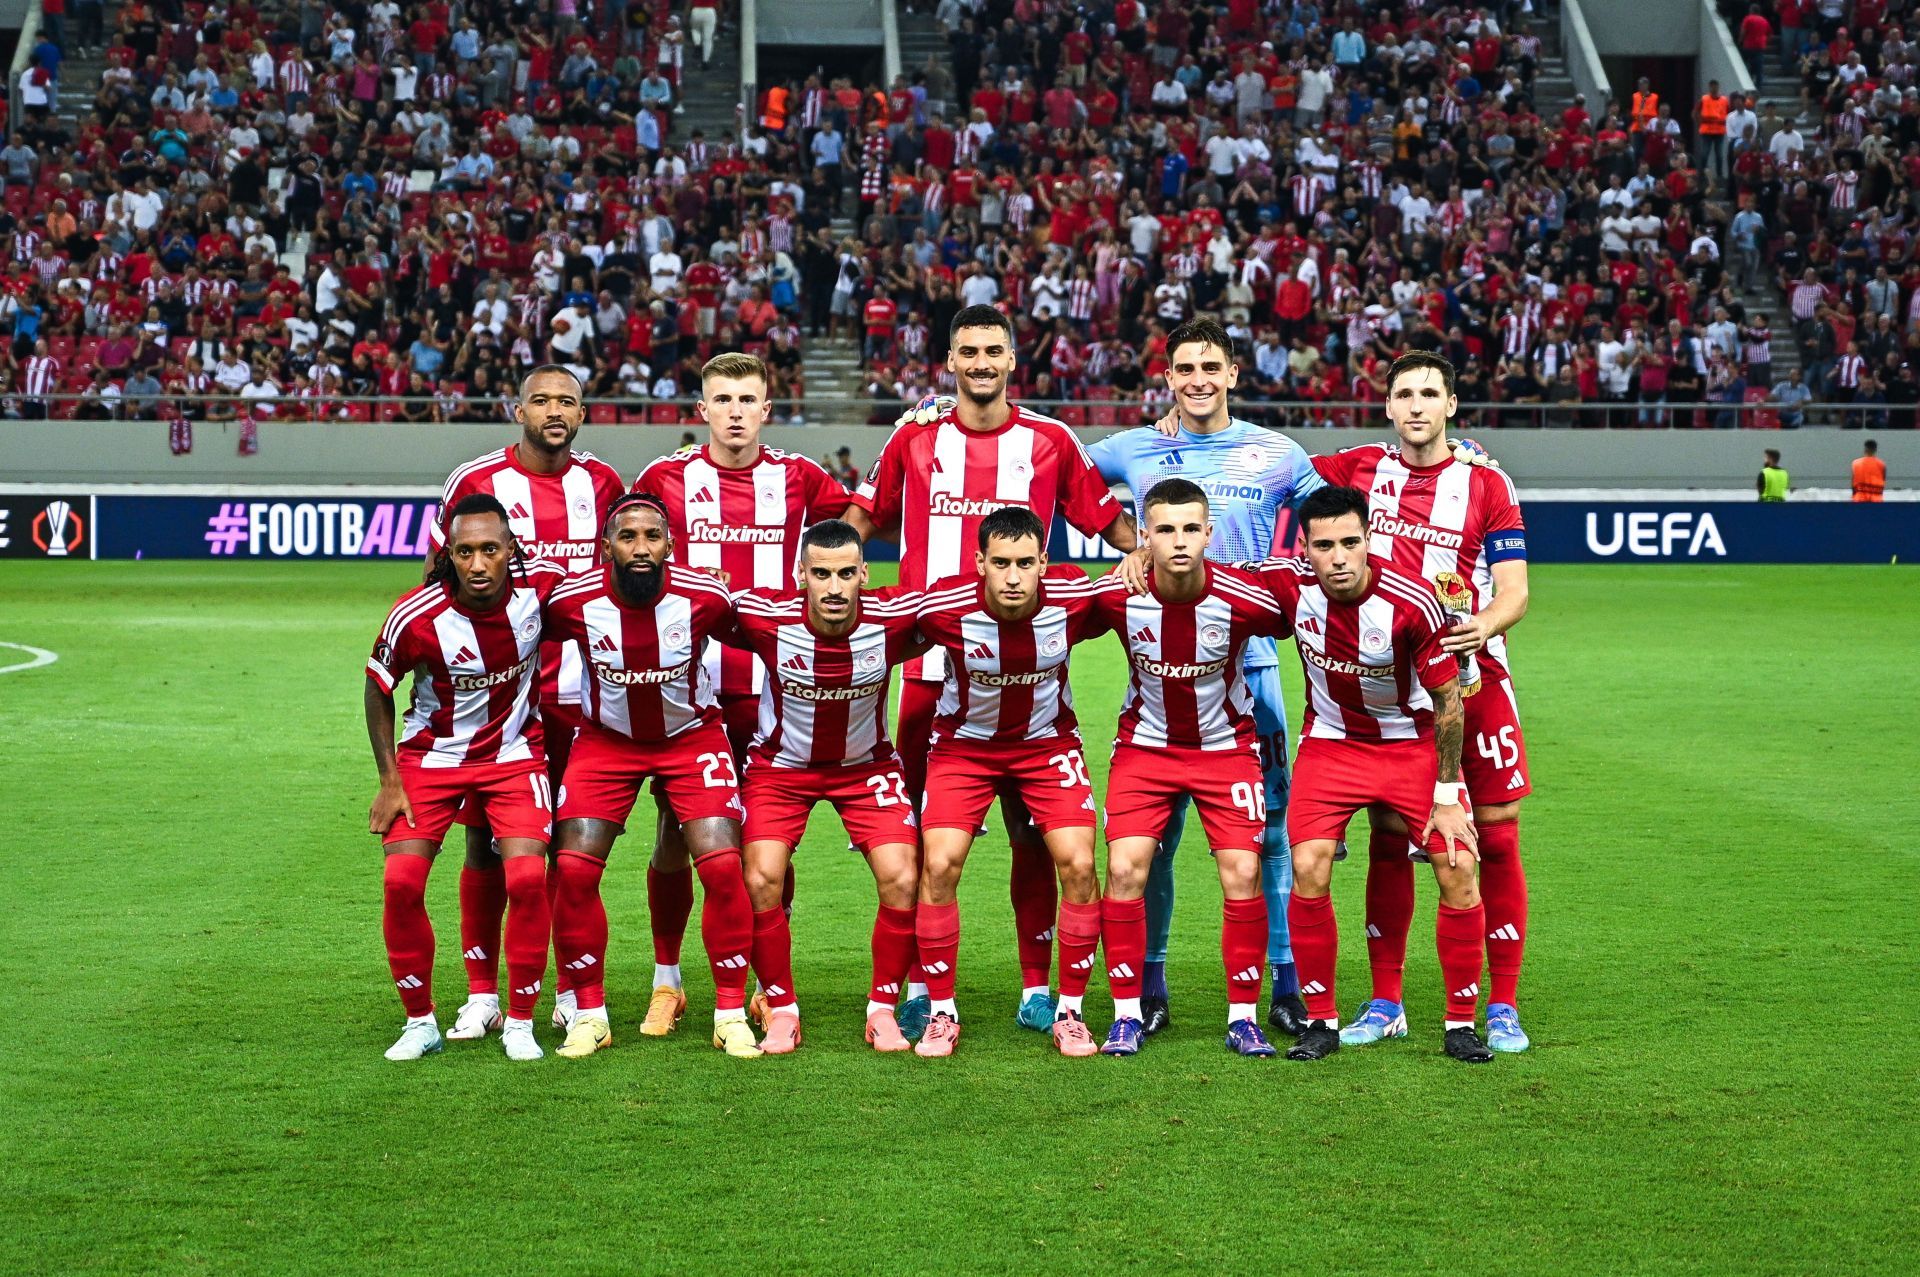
[(943, 470), (1186, 733), (1382, 729), (470, 636), (641, 623), (829, 648), (735, 509), (556, 499), (1250, 475), (1458, 528), (1005, 725)]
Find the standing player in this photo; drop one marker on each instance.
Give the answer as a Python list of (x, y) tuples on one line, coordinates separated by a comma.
[(1249, 475), (829, 649), (1458, 528), (735, 508), (1186, 731), (470, 636), (941, 472), (641, 623), (1383, 728), (556, 501), (1006, 726)]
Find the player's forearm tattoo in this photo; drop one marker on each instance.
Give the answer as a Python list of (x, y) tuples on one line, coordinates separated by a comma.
[(1449, 728)]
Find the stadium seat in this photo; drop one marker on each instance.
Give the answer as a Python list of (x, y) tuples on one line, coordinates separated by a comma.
[(603, 414), (664, 414)]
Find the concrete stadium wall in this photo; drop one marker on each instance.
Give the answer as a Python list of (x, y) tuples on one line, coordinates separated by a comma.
[(1626, 28), (389, 455)]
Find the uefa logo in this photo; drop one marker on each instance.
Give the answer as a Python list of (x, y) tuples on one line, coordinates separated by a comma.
[(58, 530)]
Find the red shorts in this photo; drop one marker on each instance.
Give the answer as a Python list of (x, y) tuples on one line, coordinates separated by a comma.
[(558, 723), (694, 772), (1048, 777), (872, 802), (514, 799), (1493, 758), (1333, 779), (741, 714), (1144, 783)]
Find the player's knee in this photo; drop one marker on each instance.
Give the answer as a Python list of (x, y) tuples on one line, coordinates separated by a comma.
[(1239, 873), (1495, 814), (764, 881), (401, 889), (1313, 866), (1459, 885)]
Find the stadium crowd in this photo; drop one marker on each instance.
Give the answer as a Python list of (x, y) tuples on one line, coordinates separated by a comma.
[(273, 209)]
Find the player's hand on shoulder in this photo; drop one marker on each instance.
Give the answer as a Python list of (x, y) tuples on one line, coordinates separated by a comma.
[(927, 411), (1169, 425), (389, 804), (1133, 570), (1467, 637), (1467, 452)]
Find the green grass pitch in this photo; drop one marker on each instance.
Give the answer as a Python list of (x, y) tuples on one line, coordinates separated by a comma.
[(1720, 988)]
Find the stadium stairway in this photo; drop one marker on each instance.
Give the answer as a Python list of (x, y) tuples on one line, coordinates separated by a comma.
[(921, 41), (79, 82), (835, 383), (1552, 83), (710, 99)]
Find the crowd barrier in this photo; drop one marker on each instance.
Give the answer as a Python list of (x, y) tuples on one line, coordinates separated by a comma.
[(221, 525)]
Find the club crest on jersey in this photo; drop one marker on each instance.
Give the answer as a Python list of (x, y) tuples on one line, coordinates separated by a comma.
[(1249, 460), (530, 629), (582, 509), (675, 635), (1213, 636), (869, 660), (1373, 641), (1053, 646)]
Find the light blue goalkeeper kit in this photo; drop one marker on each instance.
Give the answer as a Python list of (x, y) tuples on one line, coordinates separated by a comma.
[(1250, 474)]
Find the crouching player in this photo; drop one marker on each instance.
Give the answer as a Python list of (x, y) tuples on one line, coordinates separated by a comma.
[(470, 636), (1005, 725), (1383, 726), (1186, 730), (829, 648), (641, 625)]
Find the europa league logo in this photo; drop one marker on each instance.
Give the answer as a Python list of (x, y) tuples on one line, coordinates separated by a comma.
[(1456, 599), (57, 529)]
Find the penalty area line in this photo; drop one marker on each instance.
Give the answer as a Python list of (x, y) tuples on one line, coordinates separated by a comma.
[(38, 656)]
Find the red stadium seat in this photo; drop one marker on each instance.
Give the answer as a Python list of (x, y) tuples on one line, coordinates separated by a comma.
[(1072, 414), (633, 416), (664, 414), (603, 415), (1763, 419), (358, 410)]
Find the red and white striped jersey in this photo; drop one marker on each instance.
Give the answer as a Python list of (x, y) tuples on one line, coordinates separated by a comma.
[(1446, 525), (937, 481), (824, 703), (42, 374), (645, 679), (1187, 689), (557, 517), (473, 672), (1369, 662), (1007, 680), (745, 525)]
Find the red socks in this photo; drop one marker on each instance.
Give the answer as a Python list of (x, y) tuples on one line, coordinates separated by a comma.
[(562, 978), (1036, 898), (483, 905), (1389, 912), (1079, 937), (1458, 934), (937, 931), (1316, 950), (529, 931), (773, 956), (892, 953), (1243, 946), (409, 934), (580, 927), (669, 905), (726, 925), (1503, 890), (1123, 929)]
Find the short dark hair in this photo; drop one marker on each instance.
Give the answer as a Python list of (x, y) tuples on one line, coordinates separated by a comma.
[(476, 503), (1872, 446), (1205, 331), (1773, 454), (1414, 360), (1010, 523), (550, 368), (829, 534), (1332, 503), (635, 501), (980, 317), (1175, 492)]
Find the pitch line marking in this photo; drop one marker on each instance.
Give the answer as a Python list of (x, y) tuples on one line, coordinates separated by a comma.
[(41, 656)]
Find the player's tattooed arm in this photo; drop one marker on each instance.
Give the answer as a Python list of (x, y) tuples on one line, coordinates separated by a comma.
[(391, 800), (1453, 820)]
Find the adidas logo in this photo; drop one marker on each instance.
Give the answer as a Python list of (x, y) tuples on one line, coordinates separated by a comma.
[(1309, 626), (1045, 937), (1471, 991), (935, 968), (1143, 635), (605, 643), (1508, 932), (1121, 972), (518, 512), (1251, 973), (796, 662), (1385, 490), (464, 654), (1516, 781), (982, 653), (1313, 986), (1171, 461), (475, 954), (582, 962), (704, 496), (1373, 932), (883, 988), (528, 991), (409, 982), (1085, 964), (774, 991), (737, 962)]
